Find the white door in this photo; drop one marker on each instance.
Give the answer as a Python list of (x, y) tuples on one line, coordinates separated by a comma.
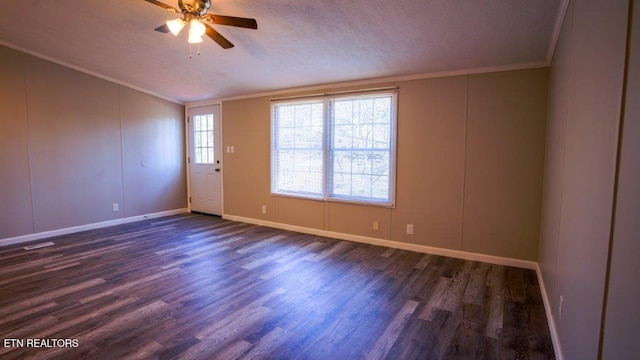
[(205, 160)]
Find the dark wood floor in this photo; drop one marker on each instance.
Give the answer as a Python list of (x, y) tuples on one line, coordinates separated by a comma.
[(198, 287)]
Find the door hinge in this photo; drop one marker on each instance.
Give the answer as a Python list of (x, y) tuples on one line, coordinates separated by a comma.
[(189, 159), (189, 199)]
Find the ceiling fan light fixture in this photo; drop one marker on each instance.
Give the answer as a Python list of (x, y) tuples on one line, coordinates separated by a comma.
[(175, 25), (194, 39), (196, 28)]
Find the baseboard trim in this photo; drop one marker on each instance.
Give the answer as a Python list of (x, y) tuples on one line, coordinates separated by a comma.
[(498, 260), (550, 319), (75, 229)]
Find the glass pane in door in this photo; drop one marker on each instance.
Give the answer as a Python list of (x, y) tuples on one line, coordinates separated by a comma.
[(203, 135)]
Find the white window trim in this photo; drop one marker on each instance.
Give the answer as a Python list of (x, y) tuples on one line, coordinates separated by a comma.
[(326, 99)]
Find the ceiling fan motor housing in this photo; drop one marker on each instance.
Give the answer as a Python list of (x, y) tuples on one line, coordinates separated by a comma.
[(195, 7)]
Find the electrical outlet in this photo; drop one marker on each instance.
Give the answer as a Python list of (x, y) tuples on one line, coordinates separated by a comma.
[(410, 229), (116, 207), (375, 226), (560, 307), (264, 209)]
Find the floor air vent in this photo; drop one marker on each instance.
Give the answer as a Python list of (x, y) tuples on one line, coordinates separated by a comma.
[(38, 246)]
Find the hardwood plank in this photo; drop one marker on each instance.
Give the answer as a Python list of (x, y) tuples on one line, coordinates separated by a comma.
[(69, 318), (388, 338), (233, 351), (145, 351), (436, 301), (263, 349)]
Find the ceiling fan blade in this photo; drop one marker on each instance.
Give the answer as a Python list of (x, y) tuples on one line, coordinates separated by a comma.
[(163, 5), (162, 28), (231, 21), (215, 36)]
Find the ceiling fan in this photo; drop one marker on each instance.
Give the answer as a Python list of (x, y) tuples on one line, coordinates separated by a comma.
[(194, 13)]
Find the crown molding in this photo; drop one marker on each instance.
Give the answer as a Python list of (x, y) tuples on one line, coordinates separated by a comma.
[(377, 80)]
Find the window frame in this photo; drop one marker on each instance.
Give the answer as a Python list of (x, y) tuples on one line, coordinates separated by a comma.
[(273, 154), (327, 137)]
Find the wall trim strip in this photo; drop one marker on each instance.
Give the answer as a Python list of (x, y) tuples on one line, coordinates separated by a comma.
[(556, 30), (70, 230), (550, 319)]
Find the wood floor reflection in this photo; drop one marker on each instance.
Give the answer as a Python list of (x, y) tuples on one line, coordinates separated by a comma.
[(199, 287)]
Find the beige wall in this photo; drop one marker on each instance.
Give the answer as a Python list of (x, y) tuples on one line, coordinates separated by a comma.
[(584, 111), (431, 161), (622, 318), (469, 167), (245, 125), (71, 118), (504, 162), (15, 188), (153, 153), (72, 144)]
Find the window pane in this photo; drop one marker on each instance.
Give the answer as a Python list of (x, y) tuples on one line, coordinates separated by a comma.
[(343, 136), (342, 184), (364, 113), (382, 136), (342, 162), (360, 152), (210, 122), (342, 112), (203, 135), (299, 171), (361, 163), (382, 110), (380, 163), (380, 187), (203, 123), (297, 154), (362, 136), (361, 185)]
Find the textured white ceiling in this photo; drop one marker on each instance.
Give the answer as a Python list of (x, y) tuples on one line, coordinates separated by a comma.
[(298, 42)]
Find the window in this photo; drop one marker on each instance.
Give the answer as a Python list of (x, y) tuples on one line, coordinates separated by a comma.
[(203, 138), (335, 148)]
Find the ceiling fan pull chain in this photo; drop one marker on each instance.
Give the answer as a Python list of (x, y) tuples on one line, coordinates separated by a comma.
[(191, 53)]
